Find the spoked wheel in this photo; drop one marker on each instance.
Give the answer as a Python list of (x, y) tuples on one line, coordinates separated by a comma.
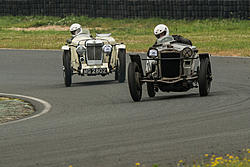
[(150, 89), (205, 77), (134, 81), (120, 73), (67, 68)]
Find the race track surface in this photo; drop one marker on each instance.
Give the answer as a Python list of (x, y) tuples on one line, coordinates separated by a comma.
[(95, 123)]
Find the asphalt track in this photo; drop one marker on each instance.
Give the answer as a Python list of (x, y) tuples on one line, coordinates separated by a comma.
[(95, 123)]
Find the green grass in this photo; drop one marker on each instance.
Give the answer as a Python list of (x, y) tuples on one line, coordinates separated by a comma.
[(217, 36)]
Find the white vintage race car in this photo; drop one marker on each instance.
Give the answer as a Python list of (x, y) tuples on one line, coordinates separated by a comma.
[(88, 56)]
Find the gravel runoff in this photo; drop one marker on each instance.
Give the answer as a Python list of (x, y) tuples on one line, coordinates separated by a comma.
[(14, 109)]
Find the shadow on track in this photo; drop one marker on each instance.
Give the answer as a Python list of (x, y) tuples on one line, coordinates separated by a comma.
[(176, 96), (94, 83), (170, 97), (79, 84)]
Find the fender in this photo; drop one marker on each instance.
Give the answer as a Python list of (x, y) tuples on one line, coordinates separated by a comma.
[(120, 46), (65, 47), (204, 55), (137, 59)]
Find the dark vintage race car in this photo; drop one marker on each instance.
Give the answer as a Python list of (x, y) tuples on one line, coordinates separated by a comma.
[(170, 66)]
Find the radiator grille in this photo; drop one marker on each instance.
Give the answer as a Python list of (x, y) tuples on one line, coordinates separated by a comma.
[(94, 54), (170, 68)]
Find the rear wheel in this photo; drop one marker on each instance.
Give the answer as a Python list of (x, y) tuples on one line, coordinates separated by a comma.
[(134, 78), (67, 68), (204, 77), (151, 89), (120, 73)]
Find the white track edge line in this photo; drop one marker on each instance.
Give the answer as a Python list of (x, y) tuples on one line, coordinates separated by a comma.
[(47, 107)]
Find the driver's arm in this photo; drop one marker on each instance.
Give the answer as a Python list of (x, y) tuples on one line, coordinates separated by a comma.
[(181, 39)]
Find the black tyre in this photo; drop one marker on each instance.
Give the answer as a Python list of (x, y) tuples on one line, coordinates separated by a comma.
[(116, 72), (134, 77), (121, 70), (151, 89), (204, 77), (67, 68)]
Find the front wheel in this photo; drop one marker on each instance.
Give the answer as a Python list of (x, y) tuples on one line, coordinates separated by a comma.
[(205, 77), (67, 68), (134, 81), (120, 73)]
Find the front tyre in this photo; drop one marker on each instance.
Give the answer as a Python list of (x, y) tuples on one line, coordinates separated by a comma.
[(120, 74), (67, 68), (134, 81), (204, 77)]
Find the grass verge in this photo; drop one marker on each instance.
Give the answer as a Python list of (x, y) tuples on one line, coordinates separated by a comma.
[(242, 159), (14, 109), (218, 36)]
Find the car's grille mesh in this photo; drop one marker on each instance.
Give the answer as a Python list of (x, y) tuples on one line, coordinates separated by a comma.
[(170, 68), (94, 52)]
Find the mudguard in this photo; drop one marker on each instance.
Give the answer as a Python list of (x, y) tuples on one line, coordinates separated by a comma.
[(137, 59), (65, 47), (121, 46), (204, 55)]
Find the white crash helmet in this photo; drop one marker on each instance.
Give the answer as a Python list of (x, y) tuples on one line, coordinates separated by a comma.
[(75, 29), (160, 29)]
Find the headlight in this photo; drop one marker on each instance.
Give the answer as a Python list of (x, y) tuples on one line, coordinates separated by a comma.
[(81, 50), (152, 53), (187, 52), (107, 48)]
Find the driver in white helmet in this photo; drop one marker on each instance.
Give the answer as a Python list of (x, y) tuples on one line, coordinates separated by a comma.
[(75, 29), (161, 32)]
